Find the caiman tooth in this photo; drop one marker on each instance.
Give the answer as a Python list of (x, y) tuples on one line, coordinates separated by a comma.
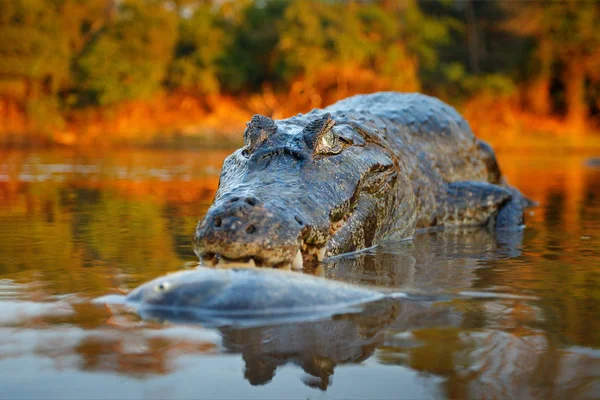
[(297, 264), (252, 263), (208, 260), (321, 253)]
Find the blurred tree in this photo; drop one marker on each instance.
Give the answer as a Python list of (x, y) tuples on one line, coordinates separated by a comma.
[(34, 51), (250, 56), (197, 54), (359, 46), (425, 34), (129, 57), (81, 20), (567, 35), (474, 53), (56, 54), (306, 38)]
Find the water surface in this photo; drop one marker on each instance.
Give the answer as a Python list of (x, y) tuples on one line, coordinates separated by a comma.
[(75, 226)]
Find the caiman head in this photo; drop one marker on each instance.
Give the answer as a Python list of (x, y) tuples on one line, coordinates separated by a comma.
[(298, 192)]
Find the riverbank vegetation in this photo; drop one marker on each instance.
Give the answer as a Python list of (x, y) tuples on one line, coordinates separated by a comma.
[(152, 71)]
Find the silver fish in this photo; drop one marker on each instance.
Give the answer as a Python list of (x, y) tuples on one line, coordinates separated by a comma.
[(243, 296), (259, 296)]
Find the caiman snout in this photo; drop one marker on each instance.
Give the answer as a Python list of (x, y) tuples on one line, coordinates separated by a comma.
[(244, 229)]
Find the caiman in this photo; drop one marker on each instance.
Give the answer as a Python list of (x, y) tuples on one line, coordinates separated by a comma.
[(335, 180)]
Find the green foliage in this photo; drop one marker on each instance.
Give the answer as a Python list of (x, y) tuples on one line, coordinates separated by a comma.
[(58, 54), (565, 39), (306, 40), (570, 29), (468, 48), (250, 58), (130, 57), (316, 35), (82, 20), (33, 47), (201, 46), (424, 34)]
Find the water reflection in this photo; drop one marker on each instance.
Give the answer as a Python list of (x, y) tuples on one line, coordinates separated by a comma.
[(74, 226), (319, 347), (440, 260)]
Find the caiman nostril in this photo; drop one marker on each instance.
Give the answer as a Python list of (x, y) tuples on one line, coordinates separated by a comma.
[(298, 220), (250, 229), (251, 201), (217, 222), (234, 199)]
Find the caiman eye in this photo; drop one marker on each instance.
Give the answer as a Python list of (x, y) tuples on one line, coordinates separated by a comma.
[(329, 143), (325, 138)]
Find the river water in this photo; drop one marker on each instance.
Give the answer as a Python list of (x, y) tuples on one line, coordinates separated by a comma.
[(74, 226)]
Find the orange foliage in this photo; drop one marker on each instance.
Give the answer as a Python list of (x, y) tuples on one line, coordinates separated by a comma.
[(504, 123), (164, 116), (328, 85), (218, 119)]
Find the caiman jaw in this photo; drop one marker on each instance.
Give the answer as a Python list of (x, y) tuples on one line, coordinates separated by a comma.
[(305, 252), (306, 255), (310, 254)]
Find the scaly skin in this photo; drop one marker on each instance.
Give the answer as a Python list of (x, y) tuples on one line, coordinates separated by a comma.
[(368, 168)]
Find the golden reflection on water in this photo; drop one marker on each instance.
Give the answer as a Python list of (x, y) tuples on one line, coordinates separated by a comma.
[(74, 226)]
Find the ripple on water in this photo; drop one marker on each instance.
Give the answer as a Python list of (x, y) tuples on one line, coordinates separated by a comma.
[(508, 315)]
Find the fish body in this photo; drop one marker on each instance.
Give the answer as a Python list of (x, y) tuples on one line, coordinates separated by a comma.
[(243, 296)]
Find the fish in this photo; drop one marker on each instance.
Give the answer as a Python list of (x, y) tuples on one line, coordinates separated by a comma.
[(258, 296), (243, 296)]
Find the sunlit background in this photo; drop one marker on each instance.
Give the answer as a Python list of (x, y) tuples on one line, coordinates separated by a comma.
[(148, 72), (115, 117)]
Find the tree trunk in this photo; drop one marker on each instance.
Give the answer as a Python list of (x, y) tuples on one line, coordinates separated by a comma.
[(538, 95), (538, 92), (574, 81), (472, 37)]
